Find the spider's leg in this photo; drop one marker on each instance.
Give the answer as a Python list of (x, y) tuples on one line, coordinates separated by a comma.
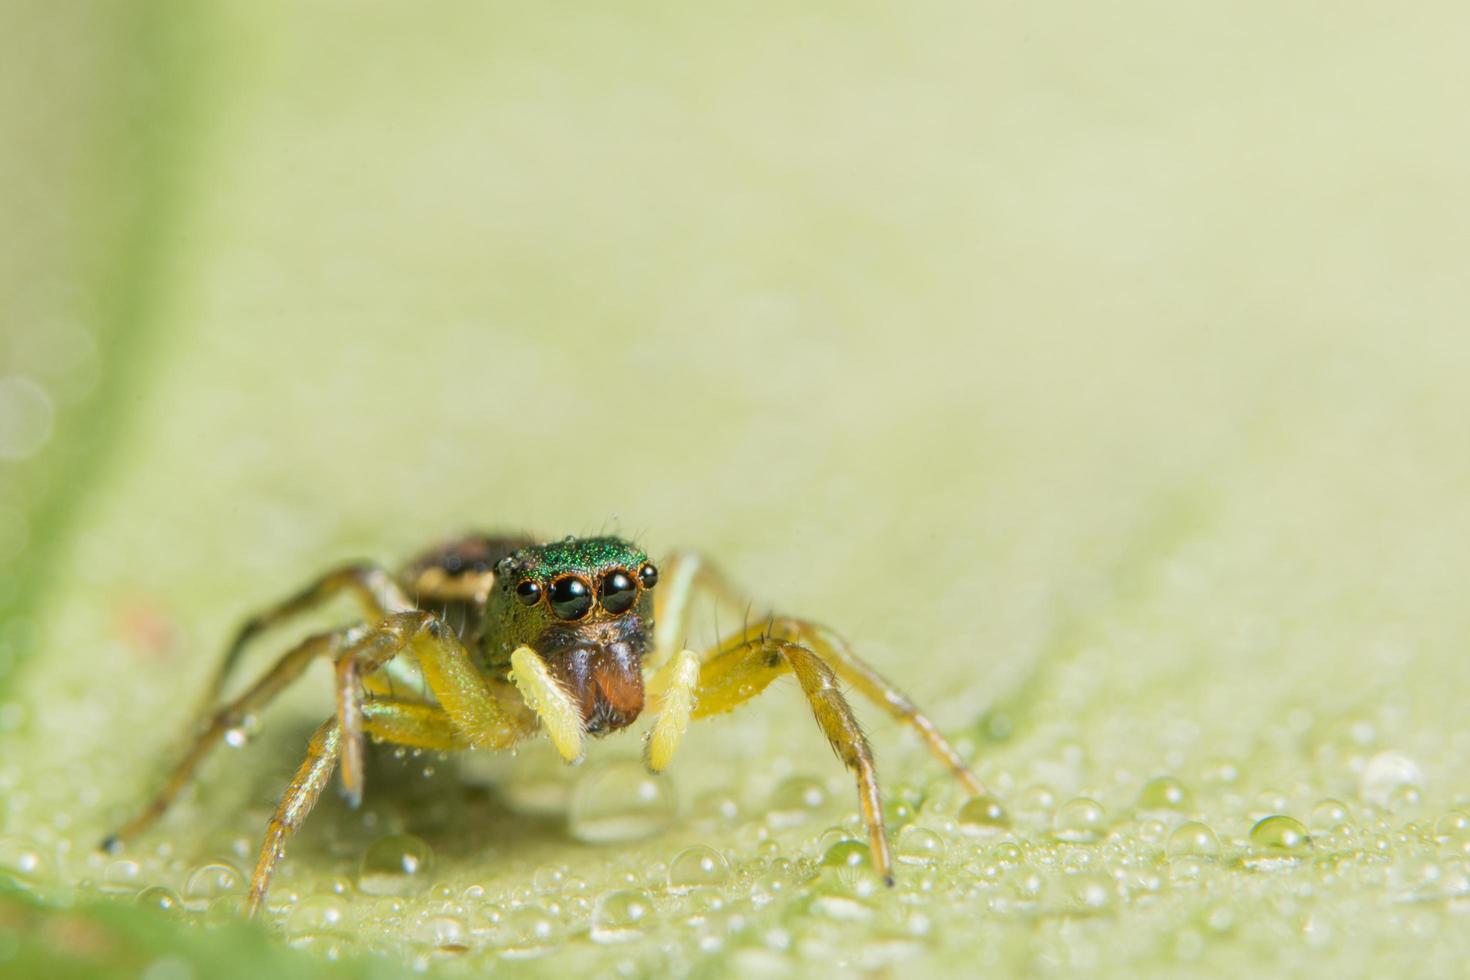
[(872, 685), (743, 667), (287, 669), (684, 576), (673, 687), (485, 711), (554, 707), (412, 723), (374, 586), (306, 786)]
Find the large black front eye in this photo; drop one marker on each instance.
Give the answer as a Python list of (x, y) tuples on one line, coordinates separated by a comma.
[(619, 591), (648, 575), (528, 592), (571, 597)]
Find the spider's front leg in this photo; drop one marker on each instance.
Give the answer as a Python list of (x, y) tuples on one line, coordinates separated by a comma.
[(745, 664), (484, 711), (690, 575), (743, 667), (472, 711), (422, 726), (373, 586)]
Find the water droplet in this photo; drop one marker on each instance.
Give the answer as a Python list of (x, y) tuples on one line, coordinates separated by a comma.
[(399, 864), (919, 845), (1080, 821), (213, 880), (849, 854), (621, 915), (698, 866), (1164, 793), (548, 879), (226, 910), (1152, 831), (1384, 774), (619, 801), (1280, 833), (319, 913), (1193, 839), (983, 815), (795, 800), (716, 807), (236, 738), (121, 873), (1453, 826), (21, 860), (525, 930), (1330, 816), (159, 898), (444, 932), (1037, 803), (1090, 889)]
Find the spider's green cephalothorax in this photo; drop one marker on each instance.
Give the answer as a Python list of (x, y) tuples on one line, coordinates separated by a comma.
[(585, 605)]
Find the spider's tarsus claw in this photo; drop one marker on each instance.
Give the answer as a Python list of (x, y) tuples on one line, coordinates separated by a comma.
[(111, 844), (888, 880)]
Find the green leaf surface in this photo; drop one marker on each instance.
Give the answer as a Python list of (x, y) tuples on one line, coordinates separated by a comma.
[(1099, 373)]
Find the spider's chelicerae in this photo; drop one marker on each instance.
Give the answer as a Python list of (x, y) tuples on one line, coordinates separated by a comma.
[(499, 637)]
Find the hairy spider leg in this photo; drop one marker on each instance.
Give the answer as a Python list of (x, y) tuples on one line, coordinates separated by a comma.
[(422, 726), (834, 650), (743, 667), (687, 574), (415, 724), (373, 585), (291, 665), (485, 711), (300, 796), (412, 723)]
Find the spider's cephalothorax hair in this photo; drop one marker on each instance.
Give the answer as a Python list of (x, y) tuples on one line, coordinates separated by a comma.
[(585, 605)]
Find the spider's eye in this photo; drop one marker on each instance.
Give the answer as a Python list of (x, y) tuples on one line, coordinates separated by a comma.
[(528, 592), (648, 575), (619, 591), (571, 597)]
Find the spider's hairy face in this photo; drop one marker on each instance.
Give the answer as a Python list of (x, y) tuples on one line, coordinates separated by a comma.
[(586, 606)]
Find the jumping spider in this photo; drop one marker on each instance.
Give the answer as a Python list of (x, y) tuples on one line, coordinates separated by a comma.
[(504, 637)]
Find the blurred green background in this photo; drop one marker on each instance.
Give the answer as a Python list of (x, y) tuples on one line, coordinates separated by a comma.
[(1099, 370)]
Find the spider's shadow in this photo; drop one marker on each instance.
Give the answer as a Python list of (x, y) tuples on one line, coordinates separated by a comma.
[(459, 820)]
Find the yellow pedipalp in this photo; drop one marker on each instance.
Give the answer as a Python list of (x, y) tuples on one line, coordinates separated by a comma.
[(559, 714), (675, 684)]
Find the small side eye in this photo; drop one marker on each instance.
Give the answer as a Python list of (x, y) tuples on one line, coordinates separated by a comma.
[(528, 593), (618, 591), (648, 575), (571, 597)]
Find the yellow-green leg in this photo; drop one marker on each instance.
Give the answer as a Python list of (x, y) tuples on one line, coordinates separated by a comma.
[(484, 710), (306, 787), (232, 715), (684, 576), (743, 667), (423, 726), (374, 587), (872, 685)]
